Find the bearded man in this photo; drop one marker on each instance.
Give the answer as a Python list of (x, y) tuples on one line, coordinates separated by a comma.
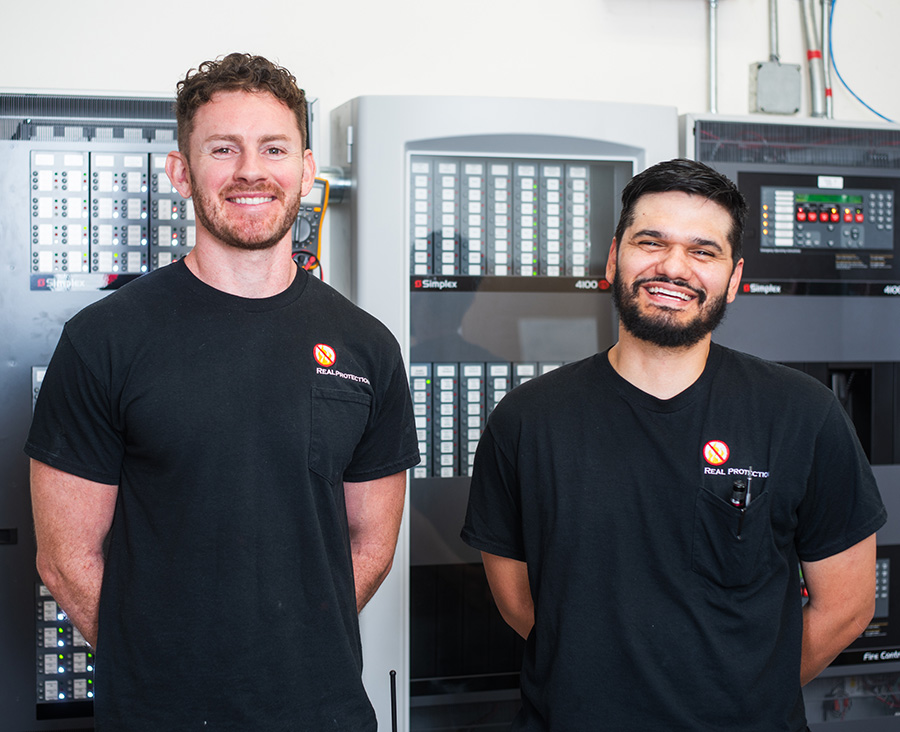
[(642, 513)]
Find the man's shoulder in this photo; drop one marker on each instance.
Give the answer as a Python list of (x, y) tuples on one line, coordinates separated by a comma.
[(554, 391), (777, 381), (128, 305), (345, 314)]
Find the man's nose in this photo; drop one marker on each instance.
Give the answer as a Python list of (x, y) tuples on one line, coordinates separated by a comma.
[(675, 264), (249, 168)]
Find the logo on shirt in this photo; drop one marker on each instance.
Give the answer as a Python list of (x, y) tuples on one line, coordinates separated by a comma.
[(324, 355), (716, 452)]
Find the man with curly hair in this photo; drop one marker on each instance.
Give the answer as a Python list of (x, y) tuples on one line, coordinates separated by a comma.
[(219, 448)]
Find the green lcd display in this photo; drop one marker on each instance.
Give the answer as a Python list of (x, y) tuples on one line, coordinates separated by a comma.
[(827, 198)]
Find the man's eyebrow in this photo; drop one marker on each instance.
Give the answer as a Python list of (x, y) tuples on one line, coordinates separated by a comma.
[(275, 138), (652, 233), (216, 137), (699, 241), (239, 138)]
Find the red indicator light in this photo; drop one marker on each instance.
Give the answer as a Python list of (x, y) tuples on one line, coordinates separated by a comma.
[(801, 215)]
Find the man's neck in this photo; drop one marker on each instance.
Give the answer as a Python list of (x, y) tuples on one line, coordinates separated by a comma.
[(241, 272), (658, 371)]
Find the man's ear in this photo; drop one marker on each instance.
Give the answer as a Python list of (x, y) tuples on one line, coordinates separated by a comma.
[(177, 170), (735, 281), (309, 173), (611, 261)]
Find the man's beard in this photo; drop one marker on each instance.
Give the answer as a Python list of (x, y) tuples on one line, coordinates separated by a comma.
[(661, 328), (261, 235)]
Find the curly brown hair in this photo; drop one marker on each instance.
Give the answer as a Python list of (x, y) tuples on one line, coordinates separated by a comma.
[(235, 72)]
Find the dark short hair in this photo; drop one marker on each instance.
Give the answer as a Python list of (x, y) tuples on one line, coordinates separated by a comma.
[(235, 72), (687, 176)]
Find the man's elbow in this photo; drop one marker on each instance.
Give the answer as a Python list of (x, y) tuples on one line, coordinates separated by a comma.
[(857, 617), (386, 566), (519, 619), (49, 570), (865, 614)]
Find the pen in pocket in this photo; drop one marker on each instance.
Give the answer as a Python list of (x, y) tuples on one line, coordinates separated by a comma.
[(739, 501)]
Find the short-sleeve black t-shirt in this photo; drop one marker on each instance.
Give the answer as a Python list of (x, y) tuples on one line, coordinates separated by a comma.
[(650, 612), (229, 425)]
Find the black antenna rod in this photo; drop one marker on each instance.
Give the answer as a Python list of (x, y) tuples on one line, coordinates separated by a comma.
[(393, 701)]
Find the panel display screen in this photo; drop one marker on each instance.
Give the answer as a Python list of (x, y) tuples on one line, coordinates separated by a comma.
[(511, 217), (820, 234)]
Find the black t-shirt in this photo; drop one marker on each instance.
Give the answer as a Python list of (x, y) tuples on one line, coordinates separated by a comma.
[(229, 425), (650, 613)]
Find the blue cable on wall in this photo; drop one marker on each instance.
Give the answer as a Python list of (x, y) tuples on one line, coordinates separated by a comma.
[(834, 65)]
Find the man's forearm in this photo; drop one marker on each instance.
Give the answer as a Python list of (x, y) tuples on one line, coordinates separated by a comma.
[(369, 571), (841, 604), (508, 580), (72, 517), (824, 637), (76, 589), (374, 513)]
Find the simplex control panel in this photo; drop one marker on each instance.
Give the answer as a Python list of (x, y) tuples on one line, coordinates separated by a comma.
[(480, 226), (828, 232), (451, 403), (808, 218), (495, 243), (96, 215), (85, 207), (500, 217), (819, 293)]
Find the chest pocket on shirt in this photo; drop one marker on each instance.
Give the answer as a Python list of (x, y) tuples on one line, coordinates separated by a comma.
[(339, 419), (722, 554)]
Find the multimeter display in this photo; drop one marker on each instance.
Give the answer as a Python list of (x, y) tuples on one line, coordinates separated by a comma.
[(307, 231)]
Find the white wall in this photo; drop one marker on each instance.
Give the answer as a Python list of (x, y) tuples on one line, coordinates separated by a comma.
[(614, 50), (652, 51)]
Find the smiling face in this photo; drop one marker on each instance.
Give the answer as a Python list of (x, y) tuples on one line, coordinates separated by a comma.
[(246, 171), (673, 273)]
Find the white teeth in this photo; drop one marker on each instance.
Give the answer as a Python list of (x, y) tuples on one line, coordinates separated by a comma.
[(668, 293), (252, 201)]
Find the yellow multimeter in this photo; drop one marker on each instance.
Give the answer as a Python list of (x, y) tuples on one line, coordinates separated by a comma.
[(306, 234)]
